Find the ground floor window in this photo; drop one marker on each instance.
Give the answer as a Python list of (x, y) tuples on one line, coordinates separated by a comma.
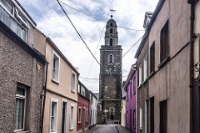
[(72, 117), (54, 115), (20, 108)]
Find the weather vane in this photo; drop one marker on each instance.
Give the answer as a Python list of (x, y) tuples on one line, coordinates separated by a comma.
[(111, 10)]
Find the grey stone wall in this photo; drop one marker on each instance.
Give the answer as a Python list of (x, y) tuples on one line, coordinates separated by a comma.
[(19, 67)]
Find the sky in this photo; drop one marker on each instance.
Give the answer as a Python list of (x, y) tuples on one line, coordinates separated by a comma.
[(89, 18)]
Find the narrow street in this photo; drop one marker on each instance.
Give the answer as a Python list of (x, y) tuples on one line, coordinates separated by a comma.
[(110, 128)]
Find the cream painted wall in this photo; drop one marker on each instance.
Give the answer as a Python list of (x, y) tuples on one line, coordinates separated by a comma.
[(46, 128), (65, 74)]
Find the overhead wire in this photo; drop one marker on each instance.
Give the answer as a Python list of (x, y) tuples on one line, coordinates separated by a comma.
[(99, 19), (131, 47), (78, 32)]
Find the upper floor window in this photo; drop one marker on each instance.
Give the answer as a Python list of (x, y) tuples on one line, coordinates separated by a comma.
[(13, 18), (83, 91), (152, 58), (56, 67), (164, 42), (140, 76), (20, 108), (111, 42), (145, 68), (110, 59), (73, 82)]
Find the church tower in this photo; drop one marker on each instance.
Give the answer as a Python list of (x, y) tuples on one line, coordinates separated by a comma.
[(110, 78)]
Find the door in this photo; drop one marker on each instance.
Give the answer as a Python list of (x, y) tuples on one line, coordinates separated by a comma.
[(64, 110)]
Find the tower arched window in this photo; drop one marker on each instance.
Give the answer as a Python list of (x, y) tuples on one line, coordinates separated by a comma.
[(112, 113), (110, 59), (111, 24), (111, 30), (111, 42)]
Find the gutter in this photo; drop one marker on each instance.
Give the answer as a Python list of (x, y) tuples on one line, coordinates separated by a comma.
[(44, 99), (192, 18)]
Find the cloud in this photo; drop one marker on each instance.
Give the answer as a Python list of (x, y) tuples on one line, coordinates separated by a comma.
[(52, 21)]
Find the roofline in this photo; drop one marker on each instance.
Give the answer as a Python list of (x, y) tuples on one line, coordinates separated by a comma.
[(15, 38), (130, 75), (146, 34), (26, 13), (61, 54)]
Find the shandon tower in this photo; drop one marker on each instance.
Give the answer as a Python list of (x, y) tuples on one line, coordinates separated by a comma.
[(110, 78)]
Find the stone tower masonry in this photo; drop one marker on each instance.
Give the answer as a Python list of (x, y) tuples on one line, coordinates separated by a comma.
[(110, 78)]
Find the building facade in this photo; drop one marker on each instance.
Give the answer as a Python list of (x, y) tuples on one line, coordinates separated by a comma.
[(22, 71), (83, 109), (92, 110), (168, 102), (111, 74), (60, 112), (130, 88)]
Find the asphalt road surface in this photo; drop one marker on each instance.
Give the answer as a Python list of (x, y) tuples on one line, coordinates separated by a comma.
[(110, 128)]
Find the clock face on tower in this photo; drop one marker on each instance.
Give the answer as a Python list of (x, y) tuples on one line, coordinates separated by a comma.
[(110, 68)]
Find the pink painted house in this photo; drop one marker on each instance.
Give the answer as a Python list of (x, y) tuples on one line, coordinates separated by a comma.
[(130, 88)]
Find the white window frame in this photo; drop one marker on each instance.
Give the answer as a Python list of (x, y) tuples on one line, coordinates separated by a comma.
[(58, 77), (65, 101), (145, 68), (73, 88), (140, 75), (140, 118), (18, 96), (79, 114), (56, 120), (72, 120)]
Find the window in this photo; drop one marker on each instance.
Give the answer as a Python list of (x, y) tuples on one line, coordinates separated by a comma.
[(164, 40), (145, 68), (82, 91), (79, 114), (20, 108), (56, 66), (152, 115), (11, 17), (111, 30), (140, 75), (134, 85), (73, 82), (64, 119), (141, 118), (110, 59), (163, 116), (111, 24), (112, 113), (72, 117), (152, 58), (86, 115), (111, 42), (131, 89), (134, 119), (53, 115)]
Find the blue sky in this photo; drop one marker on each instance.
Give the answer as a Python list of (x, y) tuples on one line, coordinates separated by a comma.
[(53, 23)]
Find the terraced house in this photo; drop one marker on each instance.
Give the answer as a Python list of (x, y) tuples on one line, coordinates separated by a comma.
[(22, 70), (60, 112)]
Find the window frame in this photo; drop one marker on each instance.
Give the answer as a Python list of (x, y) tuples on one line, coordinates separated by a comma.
[(58, 75), (164, 42), (152, 58), (56, 120), (18, 96), (140, 75), (73, 85), (71, 120), (79, 114), (145, 66)]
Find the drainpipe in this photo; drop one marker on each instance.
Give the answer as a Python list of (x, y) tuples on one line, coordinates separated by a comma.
[(192, 18), (44, 98)]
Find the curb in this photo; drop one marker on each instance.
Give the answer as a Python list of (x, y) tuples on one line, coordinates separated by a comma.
[(91, 130)]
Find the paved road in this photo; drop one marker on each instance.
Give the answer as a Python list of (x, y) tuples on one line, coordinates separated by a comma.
[(110, 128)]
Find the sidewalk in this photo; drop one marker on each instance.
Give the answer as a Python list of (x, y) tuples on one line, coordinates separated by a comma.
[(91, 129), (122, 129)]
